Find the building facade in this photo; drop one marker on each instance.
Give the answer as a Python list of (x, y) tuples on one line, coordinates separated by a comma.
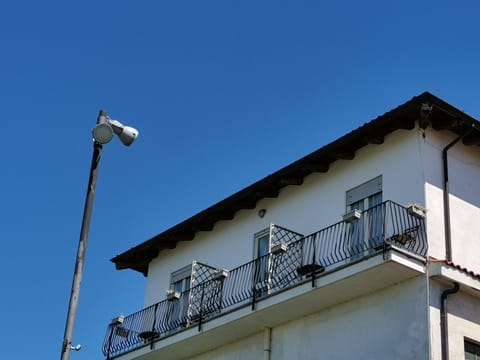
[(367, 247)]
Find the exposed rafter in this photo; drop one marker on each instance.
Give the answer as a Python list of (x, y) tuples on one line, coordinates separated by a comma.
[(316, 167), (170, 244), (445, 123), (247, 204), (224, 215), (344, 155), (372, 139), (291, 181), (407, 125), (267, 193), (184, 236), (204, 226), (472, 139)]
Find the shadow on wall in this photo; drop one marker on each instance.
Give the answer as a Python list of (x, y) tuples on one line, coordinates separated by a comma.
[(463, 167)]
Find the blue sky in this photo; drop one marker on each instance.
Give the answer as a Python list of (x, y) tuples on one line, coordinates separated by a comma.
[(223, 93)]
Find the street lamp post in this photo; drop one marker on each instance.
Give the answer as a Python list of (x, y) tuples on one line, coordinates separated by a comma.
[(102, 134)]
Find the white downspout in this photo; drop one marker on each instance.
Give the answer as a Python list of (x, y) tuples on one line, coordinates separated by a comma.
[(267, 343)]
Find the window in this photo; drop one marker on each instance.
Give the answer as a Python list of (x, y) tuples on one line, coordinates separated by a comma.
[(261, 273), (367, 232), (180, 279), (178, 309), (366, 195), (262, 243), (472, 350)]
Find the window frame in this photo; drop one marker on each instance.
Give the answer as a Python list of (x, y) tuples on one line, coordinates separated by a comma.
[(182, 275), (256, 241), (470, 345), (364, 230), (364, 191)]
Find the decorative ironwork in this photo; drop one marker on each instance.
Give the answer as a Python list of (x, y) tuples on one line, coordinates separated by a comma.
[(204, 292), (296, 259)]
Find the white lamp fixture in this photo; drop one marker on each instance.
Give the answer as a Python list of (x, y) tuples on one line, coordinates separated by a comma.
[(118, 320), (104, 131), (352, 216), (173, 295), (221, 274)]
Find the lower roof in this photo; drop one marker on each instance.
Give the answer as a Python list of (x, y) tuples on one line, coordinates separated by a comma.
[(425, 109)]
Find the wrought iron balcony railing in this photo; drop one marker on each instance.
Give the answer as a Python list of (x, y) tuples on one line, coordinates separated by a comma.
[(293, 260)]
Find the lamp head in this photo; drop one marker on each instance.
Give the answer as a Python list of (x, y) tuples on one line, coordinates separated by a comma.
[(103, 132), (126, 134)]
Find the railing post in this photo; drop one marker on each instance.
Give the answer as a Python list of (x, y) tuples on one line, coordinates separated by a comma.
[(220, 296), (255, 280), (385, 211), (313, 261), (112, 327), (200, 314), (154, 324)]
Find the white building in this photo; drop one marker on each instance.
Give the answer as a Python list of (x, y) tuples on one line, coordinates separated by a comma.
[(367, 248)]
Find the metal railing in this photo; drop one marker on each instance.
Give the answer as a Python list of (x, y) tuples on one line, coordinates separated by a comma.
[(294, 259)]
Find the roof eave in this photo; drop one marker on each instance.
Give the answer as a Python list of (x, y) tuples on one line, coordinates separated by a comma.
[(405, 116)]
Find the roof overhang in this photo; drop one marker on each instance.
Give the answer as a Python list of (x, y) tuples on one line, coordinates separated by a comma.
[(424, 110), (447, 271)]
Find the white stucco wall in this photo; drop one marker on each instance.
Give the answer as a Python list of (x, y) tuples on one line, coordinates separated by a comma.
[(464, 172), (463, 320), (390, 324), (319, 202), (250, 348)]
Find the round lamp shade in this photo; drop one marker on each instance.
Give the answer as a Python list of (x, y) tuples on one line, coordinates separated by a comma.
[(103, 133)]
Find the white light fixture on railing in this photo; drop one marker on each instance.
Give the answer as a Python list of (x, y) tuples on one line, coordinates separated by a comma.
[(173, 295), (118, 320), (417, 211), (351, 216), (221, 274), (279, 248)]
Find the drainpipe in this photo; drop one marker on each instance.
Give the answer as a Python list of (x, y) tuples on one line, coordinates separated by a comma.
[(446, 193), (267, 343), (443, 319)]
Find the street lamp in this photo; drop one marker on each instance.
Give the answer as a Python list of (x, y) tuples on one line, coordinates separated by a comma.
[(102, 134)]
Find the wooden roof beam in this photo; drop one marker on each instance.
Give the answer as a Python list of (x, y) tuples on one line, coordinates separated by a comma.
[(291, 180), (183, 236), (472, 139), (267, 193), (143, 257), (316, 167), (204, 226), (168, 245), (376, 140), (445, 124), (224, 215), (344, 155), (407, 126)]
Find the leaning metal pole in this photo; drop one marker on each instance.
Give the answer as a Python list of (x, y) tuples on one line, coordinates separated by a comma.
[(82, 246)]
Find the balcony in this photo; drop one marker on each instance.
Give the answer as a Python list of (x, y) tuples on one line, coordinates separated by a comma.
[(294, 260)]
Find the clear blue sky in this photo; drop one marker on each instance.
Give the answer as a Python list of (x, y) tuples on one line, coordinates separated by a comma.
[(223, 93)]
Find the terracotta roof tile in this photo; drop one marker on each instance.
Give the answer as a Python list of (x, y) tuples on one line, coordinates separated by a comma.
[(456, 266)]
